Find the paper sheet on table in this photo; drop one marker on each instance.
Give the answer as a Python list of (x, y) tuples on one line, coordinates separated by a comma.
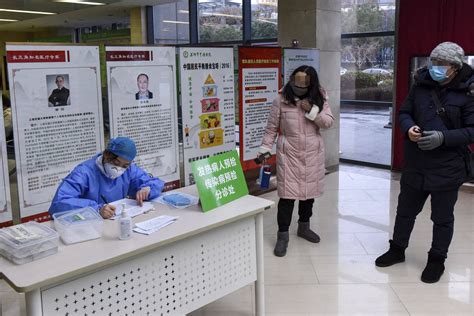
[(132, 207), (155, 224)]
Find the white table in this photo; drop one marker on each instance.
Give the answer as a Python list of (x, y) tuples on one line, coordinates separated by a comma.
[(198, 259)]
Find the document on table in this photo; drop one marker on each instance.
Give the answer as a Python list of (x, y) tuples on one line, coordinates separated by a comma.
[(155, 224), (132, 207)]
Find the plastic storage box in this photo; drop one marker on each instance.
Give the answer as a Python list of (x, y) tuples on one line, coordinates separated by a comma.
[(78, 225), (27, 242)]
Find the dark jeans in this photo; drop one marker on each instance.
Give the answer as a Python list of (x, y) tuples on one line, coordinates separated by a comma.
[(410, 204), (285, 212)]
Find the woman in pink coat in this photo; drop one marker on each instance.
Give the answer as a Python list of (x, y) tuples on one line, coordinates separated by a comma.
[(296, 117)]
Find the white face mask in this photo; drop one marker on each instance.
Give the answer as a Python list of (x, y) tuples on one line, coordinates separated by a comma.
[(113, 171)]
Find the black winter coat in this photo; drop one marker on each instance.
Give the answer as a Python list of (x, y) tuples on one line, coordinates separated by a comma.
[(442, 168)]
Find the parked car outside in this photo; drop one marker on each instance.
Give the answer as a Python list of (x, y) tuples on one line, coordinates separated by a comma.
[(376, 71)]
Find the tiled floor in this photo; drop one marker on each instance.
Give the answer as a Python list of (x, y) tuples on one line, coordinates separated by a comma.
[(337, 276)]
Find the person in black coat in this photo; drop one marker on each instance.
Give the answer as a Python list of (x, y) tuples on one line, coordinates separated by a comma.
[(143, 92), (437, 119), (59, 96)]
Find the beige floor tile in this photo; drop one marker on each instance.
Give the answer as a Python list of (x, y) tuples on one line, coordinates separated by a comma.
[(362, 269), (454, 298), (289, 270), (331, 299), (12, 304), (332, 243)]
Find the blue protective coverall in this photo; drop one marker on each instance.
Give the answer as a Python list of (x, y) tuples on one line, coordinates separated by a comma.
[(85, 185)]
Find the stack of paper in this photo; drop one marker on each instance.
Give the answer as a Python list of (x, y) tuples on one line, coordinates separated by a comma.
[(132, 207), (155, 224)]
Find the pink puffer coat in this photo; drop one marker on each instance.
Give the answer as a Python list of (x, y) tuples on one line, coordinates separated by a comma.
[(300, 148)]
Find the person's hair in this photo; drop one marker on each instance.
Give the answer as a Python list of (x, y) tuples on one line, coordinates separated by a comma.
[(314, 92), (145, 75), (60, 76), (109, 155)]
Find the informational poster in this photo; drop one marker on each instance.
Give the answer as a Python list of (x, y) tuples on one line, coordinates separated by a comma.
[(57, 117), (143, 106), (5, 202), (207, 99), (295, 57), (219, 180), (259, 82)]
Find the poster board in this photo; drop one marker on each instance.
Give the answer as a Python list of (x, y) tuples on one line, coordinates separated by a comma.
[(5, 199), (57, 117), (295, 57), (143, 106), (207, 102), (259, 83)]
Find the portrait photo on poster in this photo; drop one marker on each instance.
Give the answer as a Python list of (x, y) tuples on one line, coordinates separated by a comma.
[(142, 83), (58, 90)]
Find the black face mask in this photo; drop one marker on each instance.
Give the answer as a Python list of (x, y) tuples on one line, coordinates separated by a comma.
[(298, 91)]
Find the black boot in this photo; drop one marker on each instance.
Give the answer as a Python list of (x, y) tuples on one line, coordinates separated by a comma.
[(395, 254), (434, 268), (304, 231), (281, 244)]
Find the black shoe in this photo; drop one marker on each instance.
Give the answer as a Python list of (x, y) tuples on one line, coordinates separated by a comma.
[(434, 268), (281, 244), (304, 231), (395, 254)]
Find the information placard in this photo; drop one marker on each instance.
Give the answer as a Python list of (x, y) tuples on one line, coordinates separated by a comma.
[(295, 57), (207, 99), (219, 180), (57, 117), (5, 202), (259, 82), (143, 106)]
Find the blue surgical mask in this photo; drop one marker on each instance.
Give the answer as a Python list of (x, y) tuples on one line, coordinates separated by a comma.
[(438, 73)]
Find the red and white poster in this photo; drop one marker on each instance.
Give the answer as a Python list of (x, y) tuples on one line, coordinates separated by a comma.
[(259, 82), (57, 117), (143, 106)]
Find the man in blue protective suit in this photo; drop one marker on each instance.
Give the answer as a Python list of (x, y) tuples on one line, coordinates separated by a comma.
[(107, 177)]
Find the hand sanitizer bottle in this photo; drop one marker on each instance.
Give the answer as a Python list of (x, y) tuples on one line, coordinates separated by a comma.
[(125, 224)]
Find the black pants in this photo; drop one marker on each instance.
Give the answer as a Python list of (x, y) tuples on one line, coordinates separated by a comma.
[(410, 204), (285, 212)]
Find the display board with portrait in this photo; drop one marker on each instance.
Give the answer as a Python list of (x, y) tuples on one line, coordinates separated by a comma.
[(57, 117), (143, 106)]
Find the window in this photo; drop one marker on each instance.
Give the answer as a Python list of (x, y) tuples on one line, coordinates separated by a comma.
[(171, 23), (220, 20), (367, 62), (264, 19), (367, 16)]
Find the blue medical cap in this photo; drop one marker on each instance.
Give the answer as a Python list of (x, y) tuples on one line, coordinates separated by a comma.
[(123, 147)]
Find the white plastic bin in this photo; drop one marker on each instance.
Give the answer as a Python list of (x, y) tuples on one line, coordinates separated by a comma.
[(78, 225), (27, 242)]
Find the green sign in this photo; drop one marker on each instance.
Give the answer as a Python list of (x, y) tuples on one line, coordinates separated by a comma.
[(219, 180)]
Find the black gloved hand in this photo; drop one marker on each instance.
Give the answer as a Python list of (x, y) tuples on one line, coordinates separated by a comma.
[(430, 140)]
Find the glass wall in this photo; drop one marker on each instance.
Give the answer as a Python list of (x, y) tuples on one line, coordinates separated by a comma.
[(220, 20), (367, 63), (171, 22), (264, 19)]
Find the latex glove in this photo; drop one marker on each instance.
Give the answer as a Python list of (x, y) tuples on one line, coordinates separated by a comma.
[(430, 140), (142, 195), (414, 133), (107, 211)]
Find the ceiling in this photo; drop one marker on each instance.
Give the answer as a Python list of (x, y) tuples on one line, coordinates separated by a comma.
[(67, 15)]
